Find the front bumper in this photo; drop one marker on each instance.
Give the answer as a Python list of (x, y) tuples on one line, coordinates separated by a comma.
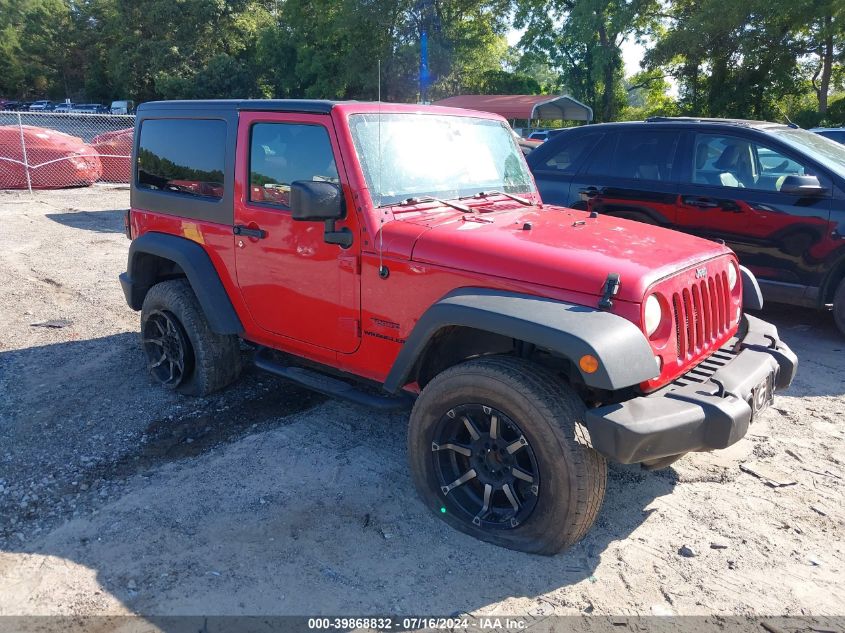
[(707, 408)]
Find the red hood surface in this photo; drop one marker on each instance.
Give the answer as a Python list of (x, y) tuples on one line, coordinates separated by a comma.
[(564, 248)]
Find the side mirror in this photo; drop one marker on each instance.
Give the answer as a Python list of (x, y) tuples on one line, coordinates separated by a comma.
[(317, 201), (802, 186)]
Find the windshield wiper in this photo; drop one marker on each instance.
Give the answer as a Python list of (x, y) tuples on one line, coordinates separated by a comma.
[(495, 192), (454, 205)]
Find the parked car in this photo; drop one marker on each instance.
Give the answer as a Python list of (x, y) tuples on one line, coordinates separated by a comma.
[(526, 145), (115, 150), (41, 106), (545, 135), (56, 160), (89, 108), (9, 104), (774, 193), (834, 133), (63, 108), (122, 107), (406, 247)]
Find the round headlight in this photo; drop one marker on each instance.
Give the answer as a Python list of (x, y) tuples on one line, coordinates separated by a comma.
[(732, 276), (653, 314)]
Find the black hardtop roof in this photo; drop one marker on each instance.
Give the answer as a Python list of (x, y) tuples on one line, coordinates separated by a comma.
[(315, 106)]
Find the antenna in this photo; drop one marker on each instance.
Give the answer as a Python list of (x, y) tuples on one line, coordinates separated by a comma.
[(383, 272), (785, 116)]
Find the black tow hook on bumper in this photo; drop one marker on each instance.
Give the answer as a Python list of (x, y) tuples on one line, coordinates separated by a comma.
[(703, 415)]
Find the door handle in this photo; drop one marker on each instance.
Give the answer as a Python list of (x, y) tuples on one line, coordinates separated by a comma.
[(590, 192), (239, 229), (701, 203)]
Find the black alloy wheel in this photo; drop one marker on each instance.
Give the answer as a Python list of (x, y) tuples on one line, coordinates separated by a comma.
[(485, 466), (168, 350)]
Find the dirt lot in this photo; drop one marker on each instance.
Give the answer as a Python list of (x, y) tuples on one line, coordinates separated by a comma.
[(119, 497)]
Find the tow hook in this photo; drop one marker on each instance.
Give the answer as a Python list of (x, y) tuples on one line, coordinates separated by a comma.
[(609, 290)]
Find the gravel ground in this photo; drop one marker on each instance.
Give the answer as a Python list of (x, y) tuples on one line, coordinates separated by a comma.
[(118, 497)]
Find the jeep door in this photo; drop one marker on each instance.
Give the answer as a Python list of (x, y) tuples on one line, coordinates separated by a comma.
[(294, 284), (632, 174), (731, 191)]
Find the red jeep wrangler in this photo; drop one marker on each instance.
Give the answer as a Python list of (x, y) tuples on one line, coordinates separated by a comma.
[(399, 255)]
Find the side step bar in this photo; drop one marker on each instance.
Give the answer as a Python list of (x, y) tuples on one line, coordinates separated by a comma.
[(331, 386)]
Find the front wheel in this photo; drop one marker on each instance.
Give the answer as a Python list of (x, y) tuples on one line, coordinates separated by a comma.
[(496, 449)]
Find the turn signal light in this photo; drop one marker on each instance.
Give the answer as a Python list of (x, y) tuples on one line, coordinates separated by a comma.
[(588, 364)]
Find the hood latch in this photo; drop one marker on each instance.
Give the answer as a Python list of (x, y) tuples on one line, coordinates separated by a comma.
[(609, 290)]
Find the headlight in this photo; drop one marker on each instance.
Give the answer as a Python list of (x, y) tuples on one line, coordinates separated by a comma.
[(732, 276), (653, 314)]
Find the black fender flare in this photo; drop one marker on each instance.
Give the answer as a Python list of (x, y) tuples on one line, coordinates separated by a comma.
[(752, 296), (191, 257), (625, 356)]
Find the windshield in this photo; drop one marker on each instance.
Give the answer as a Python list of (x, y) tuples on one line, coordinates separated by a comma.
[(824, 150), (440, 156)]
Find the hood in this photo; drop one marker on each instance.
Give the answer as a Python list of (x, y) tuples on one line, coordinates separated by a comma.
[(563, 248)]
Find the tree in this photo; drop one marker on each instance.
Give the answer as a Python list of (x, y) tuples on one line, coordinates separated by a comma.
[(582, 39), (825, 39), (731, 59)]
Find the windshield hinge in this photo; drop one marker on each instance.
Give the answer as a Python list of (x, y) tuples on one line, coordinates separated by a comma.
[(609, 290)]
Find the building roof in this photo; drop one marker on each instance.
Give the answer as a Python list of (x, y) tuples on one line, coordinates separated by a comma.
[(550, 107)]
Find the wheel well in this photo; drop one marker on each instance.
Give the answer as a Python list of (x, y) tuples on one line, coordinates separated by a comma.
[(455, 344), (149, 269), (832, 282)]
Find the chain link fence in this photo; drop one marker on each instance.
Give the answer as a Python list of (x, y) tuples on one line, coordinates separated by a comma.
[(48, 150)]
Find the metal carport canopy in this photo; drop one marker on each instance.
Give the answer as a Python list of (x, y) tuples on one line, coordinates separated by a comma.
[(528, 107)]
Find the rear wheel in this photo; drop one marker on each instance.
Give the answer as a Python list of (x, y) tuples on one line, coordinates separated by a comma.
[(182, 351), (496, 450), (839, 306)]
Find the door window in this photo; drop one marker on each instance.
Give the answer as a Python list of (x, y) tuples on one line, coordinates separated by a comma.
[(572, 154), (645, 155), (282, 153), (740, 163), (600, 162), (635, 155)]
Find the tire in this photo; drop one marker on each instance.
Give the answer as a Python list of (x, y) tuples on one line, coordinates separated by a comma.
[(209, 361), (839, 306), (528, 401)]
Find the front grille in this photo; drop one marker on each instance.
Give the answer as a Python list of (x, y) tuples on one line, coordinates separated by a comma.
[(702, 372), (702, 315)]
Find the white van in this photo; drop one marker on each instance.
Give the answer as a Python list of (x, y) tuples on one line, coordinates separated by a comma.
[(122, 107)]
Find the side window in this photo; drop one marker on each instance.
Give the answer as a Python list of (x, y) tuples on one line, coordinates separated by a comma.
[(737, 162), (282, 153), (572, 154), (645, 155), (835, 135), (185, 156), (600, 161)]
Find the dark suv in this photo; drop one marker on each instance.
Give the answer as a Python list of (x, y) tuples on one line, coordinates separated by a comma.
[(774, 193)]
